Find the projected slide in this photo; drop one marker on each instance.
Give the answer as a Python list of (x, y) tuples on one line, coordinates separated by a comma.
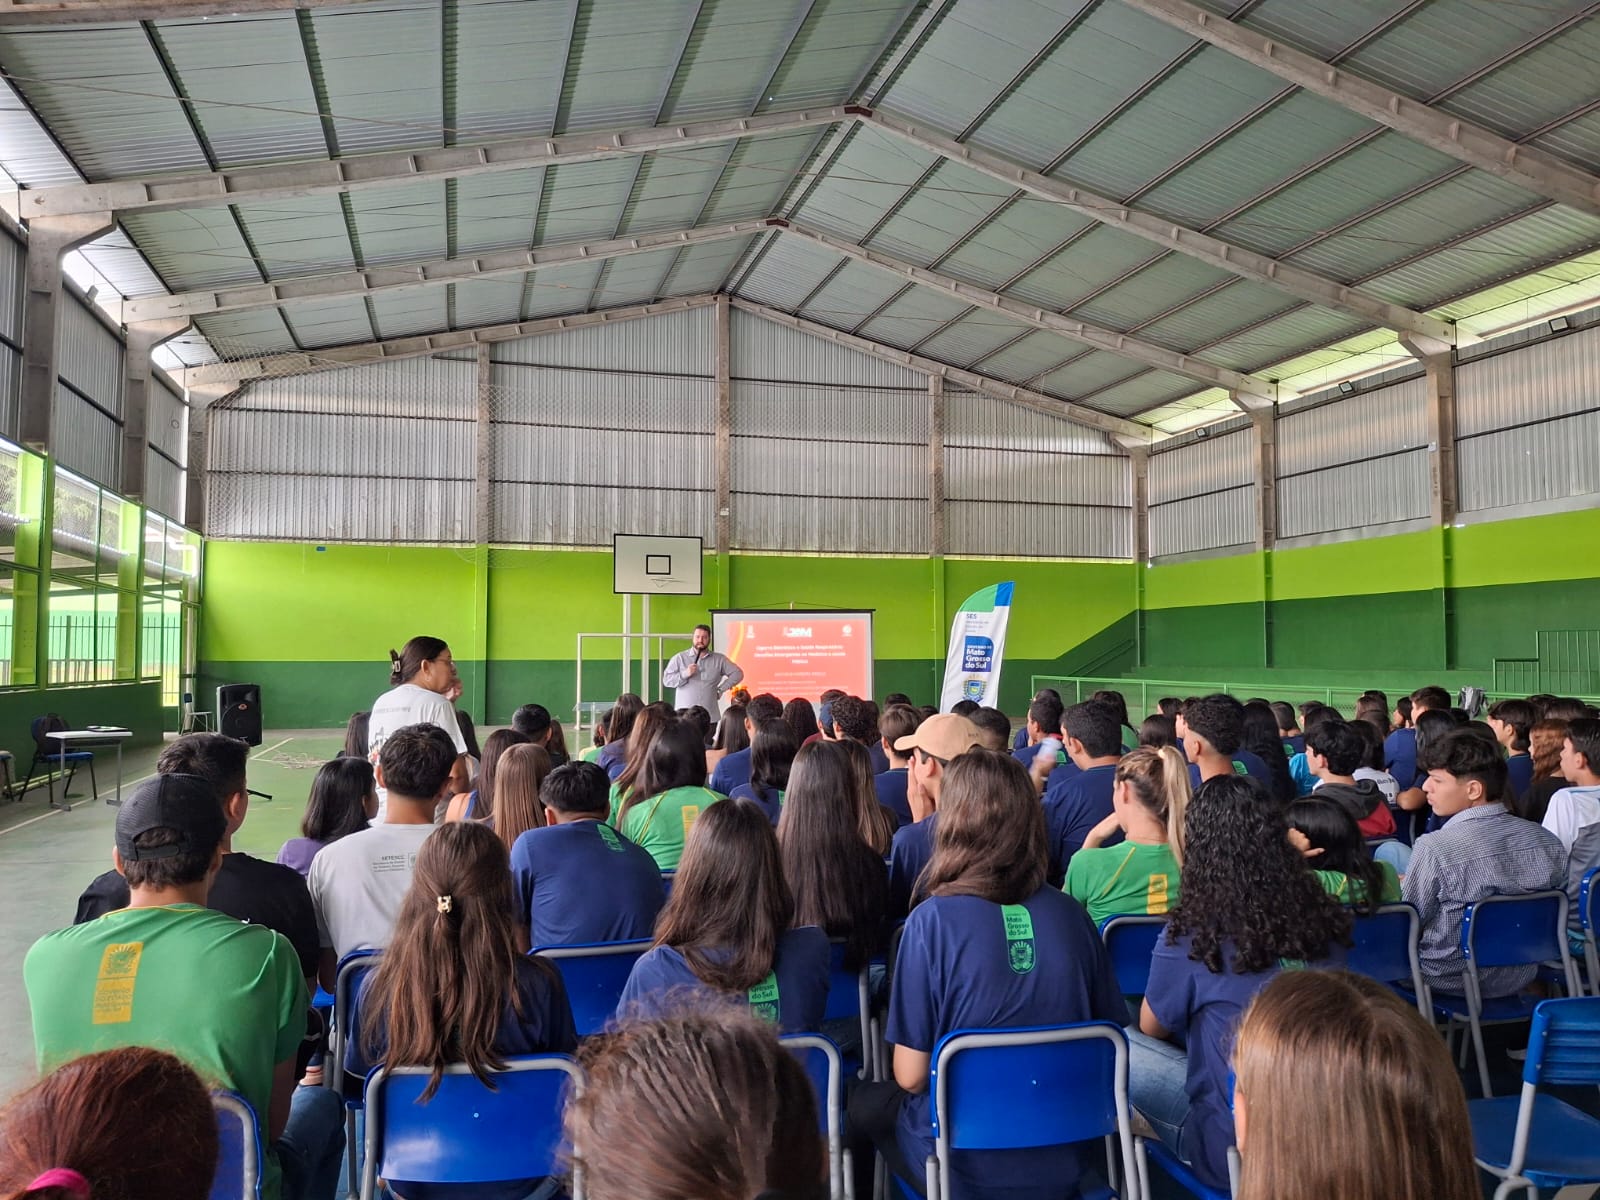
[(798, 653)]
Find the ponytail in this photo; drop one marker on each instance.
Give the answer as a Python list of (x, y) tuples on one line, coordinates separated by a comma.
[(1175, 790), (418, 652), (1159, 780)]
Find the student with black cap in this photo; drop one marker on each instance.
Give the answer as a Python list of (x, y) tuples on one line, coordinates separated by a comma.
[(226, 997)]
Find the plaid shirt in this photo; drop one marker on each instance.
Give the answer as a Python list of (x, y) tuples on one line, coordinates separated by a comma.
[(1483, 851)]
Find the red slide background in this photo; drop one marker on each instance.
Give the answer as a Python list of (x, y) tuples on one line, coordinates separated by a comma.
[(801, 654)]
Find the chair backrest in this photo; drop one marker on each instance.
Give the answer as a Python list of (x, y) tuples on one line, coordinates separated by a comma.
[(847, 990), (238, 1174), (1589, 902), (352, 968), (1386, 945), (1564, 1043), (49, 723), (1130, 941), (1021, 1088), (1510, 931), (824, 1066), (466, 1133), (667, 878), (595, 975)]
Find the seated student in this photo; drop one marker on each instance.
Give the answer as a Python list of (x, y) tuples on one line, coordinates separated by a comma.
[(592, 753), (992, 947), (1334, 752), (1243, 917), (727, 928), (897, 722), (643, 1125), (227, 997), (1299, 771), (534, 722), (1573, 814), (802, 719), (652, 719), (1400, 718), (1327, 835), (135, 1124), (246, 888), (577, 879), (357, 883), (875, 823), (994, 725), (1261, 751), (771, 755), (1511, 721), (838, 881), (1158, 730), (1021, 740), (1547, 741), (936, 742), (670, 795), (697, 716), (1371, 735), (478, 803), (1117, 704), (1431, 727), (1400, 747), (1044, 721), (1341, 1089), (856, 720), (454, 987), (343, 800), (1076, 805), (355, 735), (961, 708), (734, 769), (730, 737), (1294, 742), (1140, 875), (613, 755), (1483, 851), (1213, 727), (517, 780), (824, 730)]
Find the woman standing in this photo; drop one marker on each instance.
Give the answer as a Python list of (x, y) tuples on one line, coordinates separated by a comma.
[(420, 677)]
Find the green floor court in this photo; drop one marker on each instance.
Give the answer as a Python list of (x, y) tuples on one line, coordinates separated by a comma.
[(47, 856)]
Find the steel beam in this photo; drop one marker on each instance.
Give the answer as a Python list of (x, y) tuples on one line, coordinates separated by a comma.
[(483, 451), (1139, 478), (1263, 422), (49, 241), (1093, 335), (374, 280), (1297, 281), (1539, 172), (215, 379), (938, 533), (143, 338), (723, 366), (1117, 427), (99, 12), (1440, 377), (350, 173)]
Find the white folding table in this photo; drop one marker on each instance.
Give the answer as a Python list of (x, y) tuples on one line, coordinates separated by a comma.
[(94, 735)]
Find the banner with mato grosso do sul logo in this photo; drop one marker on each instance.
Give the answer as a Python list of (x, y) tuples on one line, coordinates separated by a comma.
[(977, 648)]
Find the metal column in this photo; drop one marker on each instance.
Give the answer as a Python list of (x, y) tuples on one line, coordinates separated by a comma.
[(49, 241)]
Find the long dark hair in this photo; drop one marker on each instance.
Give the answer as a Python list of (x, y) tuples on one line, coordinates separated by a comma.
[(990, 840), (494, 746), (731, 735), (651, 720), (675, 758), (729, 903), (1431, 725), (516, 792), (418, 652), (1331, 829), (838, 881), (802, 719), (771, 755), (441, 989), (337, 805), (355, 735), (1245, 885), (1259, 735), (875, 823), (619, 724)]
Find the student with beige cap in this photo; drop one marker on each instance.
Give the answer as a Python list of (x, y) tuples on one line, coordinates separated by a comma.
[(931, 747)]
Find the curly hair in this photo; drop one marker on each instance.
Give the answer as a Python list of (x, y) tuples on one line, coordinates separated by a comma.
[(1245, 885)]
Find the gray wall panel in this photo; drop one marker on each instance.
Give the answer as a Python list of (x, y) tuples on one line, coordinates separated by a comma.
[(1551, 378), (1372, 423), (88, 442), (1209, 522), (1548, 462), (1355, 496), (1206, 465)]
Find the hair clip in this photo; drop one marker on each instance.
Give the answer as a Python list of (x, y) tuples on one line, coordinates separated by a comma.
[(446, 903)]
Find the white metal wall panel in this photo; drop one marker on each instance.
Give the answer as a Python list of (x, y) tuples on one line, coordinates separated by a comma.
[(1004, 476), (89, 356), (13, 279), (337, 509), (88, 442), (813, 411), (1040, 531), (10, 391), (163, 485), (1360, 427), (678, 343), (973, 419), (1553, 460), (409, 389), (766, 350), (600, 399), (776, 522), (168, 420), (1206, 465), (1204, 523), (1355, 495), (1548, 379), (561, 515)]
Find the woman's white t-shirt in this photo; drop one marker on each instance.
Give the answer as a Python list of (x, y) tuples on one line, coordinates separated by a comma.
[(405, 705)]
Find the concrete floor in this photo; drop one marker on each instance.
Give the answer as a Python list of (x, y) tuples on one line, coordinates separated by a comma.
[(47, 856)]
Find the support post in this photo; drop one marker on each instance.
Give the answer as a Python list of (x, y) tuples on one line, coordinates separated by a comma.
[(201, 399), (724, 445), (1264, 422), (1440, 373), (938, 528), (143, 338), (476, 695), (49, 241), (1139, 487)]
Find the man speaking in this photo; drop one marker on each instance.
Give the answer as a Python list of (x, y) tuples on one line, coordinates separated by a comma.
[(700, 675)]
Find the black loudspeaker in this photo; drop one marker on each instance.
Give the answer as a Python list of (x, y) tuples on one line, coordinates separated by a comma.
[(239, 711)]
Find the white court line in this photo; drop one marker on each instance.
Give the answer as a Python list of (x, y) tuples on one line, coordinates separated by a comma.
[(127, 783)]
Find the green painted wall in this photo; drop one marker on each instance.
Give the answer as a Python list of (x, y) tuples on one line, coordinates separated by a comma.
[(313, 625)]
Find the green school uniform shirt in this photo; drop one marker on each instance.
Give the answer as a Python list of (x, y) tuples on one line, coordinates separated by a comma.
[(662, 823), (1128, 879), (1337, 884), (226, 997)]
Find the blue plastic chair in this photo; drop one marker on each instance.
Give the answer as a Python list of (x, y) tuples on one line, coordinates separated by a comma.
[(1130, 941), (667, 879), (352, 968), (1022, 1088), (824, 1066), (1182, 1173), (1388, 948), (850, 998), (595, 974), (1505, 931), (1589, 915), (1537, 1141), (466, 1133), (239, 1152)]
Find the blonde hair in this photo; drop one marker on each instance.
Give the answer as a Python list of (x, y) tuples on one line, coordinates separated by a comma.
[(1348, 1092), (518, 774), (1159, 780)]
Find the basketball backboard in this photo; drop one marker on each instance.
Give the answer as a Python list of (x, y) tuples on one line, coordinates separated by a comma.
[(642, 564)]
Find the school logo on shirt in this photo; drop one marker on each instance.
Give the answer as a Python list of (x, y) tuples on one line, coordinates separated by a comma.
[(113, 989), (609, 836), (1155, 895), (1019, 938), (690, 813), (764, 1000)]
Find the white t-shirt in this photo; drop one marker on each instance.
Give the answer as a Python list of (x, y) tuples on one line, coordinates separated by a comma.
[(405, 705), (357, 884), (1571, 809)]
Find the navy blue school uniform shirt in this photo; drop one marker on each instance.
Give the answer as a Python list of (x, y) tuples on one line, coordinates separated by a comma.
[(543, 1027), (1071, 810), (1064, 769), (957, 969), (1520, 769), (801, 966), (1254, 768), (891, 787), (584, 882), (880, 757), (770, 803), (1294, 745), (1400, 757), (908, 854), (1204, 1010), (1021, 740), (731, 771), (612, 758)]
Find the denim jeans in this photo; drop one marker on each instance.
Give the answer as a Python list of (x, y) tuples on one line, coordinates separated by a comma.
[(1396, 854), (1157, 1073), (311, 1149)]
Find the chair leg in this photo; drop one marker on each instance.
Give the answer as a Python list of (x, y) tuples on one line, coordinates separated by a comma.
[(352, 1190), (1483, 1059), (94, 786)]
